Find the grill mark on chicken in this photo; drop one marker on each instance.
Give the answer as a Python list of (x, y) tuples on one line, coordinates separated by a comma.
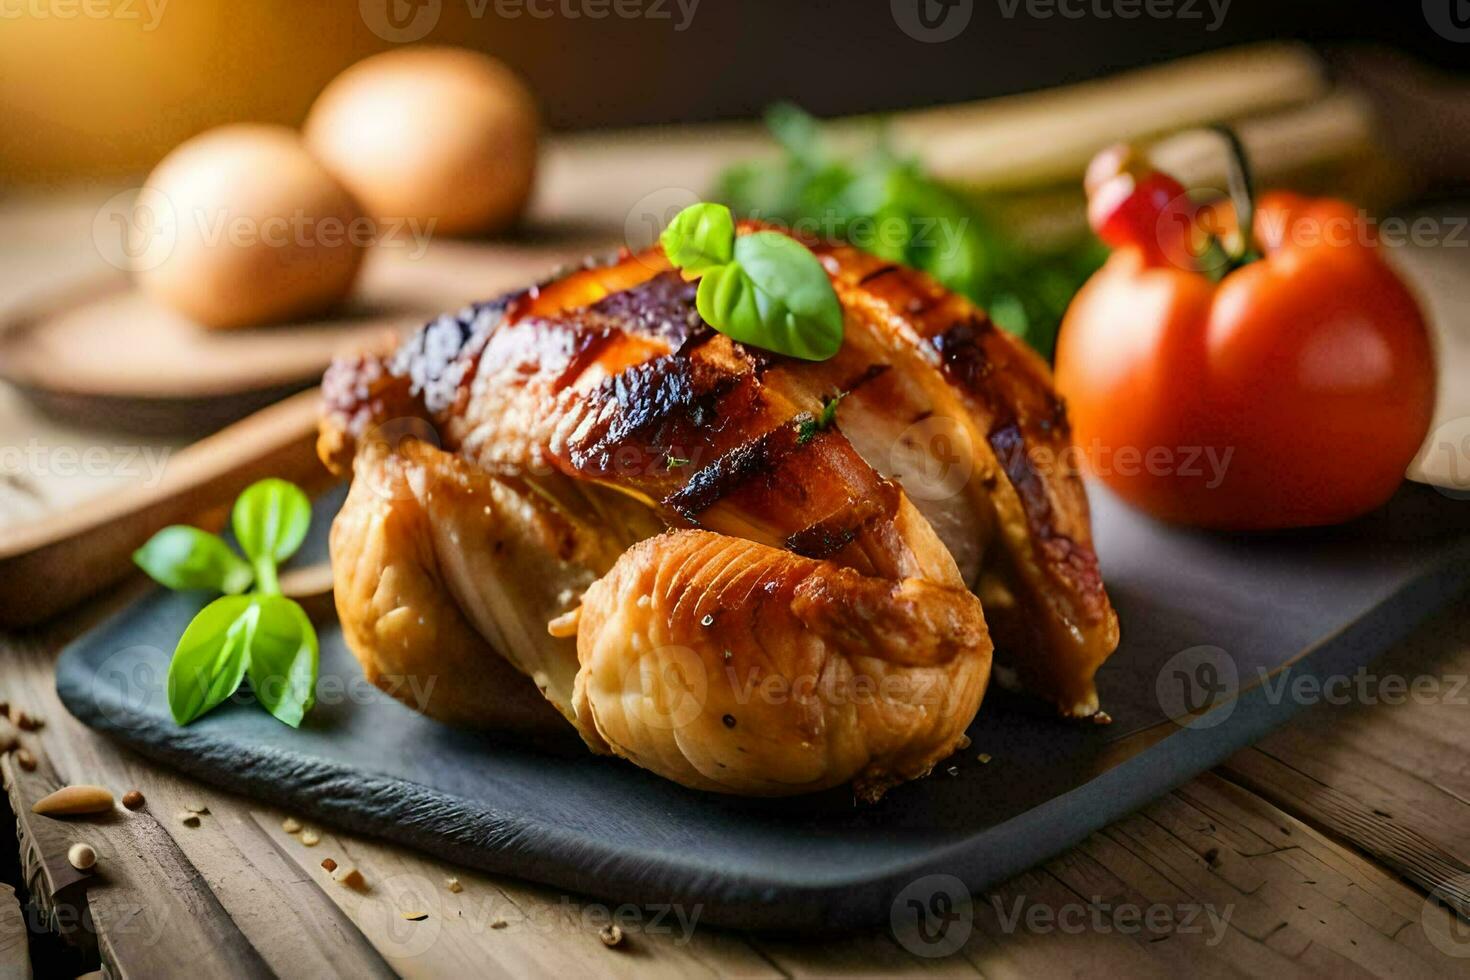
[(877, 274), (662, 309), (711, 484), (966, 362), (963, 358), (1077, 565), (826, 538), (871, 373), (1015, 401), (647, 410), (440, 359)]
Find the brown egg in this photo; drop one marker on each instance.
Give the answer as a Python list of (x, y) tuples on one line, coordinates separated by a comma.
[(247, 228), (430, 134)]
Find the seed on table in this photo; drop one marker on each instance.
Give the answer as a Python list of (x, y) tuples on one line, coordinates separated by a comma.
[(70, 800), (81, 856), (351, 878), (132, 799), (310, 838), (291, 825), (329, 865), (188, 818), (23, 721), (415, 916), (25, 760), (453, 885), (611, 935)]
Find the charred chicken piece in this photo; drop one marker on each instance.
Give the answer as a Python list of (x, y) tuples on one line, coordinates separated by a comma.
[(539, 444)]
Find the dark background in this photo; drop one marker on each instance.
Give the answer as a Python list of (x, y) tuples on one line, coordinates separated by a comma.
[(89, 99), (836, 57)]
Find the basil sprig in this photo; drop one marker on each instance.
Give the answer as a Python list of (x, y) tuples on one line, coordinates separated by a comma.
[(262, 633), (763, 289), (883, 202)]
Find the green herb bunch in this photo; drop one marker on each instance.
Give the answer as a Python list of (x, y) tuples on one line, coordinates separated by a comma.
[(863, 198), (260, 632)]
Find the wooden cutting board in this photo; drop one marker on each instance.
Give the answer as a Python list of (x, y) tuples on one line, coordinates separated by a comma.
[(101, 353), (1204, 618)]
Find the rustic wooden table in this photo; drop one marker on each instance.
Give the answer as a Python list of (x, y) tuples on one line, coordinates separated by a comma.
[(1337, 846)]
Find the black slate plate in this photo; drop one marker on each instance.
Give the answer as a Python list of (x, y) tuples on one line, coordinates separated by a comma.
[(1325, 602)]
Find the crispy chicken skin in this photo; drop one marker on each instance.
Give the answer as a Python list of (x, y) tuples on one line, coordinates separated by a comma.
[(536, 448), (733, 666), (408, 632)]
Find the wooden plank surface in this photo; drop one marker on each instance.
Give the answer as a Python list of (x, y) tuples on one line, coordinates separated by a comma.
[(1244, 872), (1389, 770), (1333, 848)]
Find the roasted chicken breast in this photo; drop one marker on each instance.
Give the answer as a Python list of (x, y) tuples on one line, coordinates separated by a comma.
[(830, 526)]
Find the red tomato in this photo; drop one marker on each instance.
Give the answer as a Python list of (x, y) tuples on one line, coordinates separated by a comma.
[(1293, 392)]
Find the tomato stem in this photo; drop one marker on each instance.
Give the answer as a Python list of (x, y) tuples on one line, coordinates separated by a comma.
[(1242, 195)]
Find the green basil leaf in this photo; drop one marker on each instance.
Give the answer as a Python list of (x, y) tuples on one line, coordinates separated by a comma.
[(283, 659), (775, 295), (270, 520), (700, 237), (211, 657), (182, 557)]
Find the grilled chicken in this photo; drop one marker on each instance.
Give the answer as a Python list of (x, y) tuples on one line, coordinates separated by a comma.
[(521, 459), (734, 666)]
